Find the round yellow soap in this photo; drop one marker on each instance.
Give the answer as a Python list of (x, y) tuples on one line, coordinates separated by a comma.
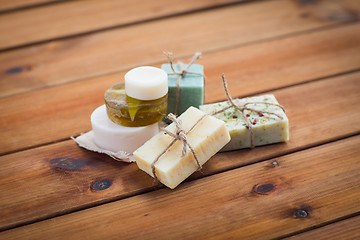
[(131, 112)]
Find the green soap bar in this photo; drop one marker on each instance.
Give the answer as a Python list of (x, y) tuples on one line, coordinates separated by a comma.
[(267, 128), (191, 88)]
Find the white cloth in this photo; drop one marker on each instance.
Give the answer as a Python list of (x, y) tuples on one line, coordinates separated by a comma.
[(86, 140)]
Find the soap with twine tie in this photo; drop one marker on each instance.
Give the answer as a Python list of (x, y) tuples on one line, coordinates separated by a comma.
[(170, 157), (186, 84)]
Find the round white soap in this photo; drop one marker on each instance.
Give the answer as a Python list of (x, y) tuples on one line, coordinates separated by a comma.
[(146, 83), (113, 137)]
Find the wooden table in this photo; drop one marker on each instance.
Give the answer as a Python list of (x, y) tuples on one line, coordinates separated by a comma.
[(58, 57)]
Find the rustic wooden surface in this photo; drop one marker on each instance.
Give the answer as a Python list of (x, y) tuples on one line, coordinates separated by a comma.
[(58, 57), (13, 5)]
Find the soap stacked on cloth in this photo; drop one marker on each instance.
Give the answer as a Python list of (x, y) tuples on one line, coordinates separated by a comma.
[(186, 84), (132, 110), (162, 156)]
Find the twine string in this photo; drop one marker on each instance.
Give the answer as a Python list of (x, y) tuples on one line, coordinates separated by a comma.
[(181, 135), (244, 107), (178, 87)]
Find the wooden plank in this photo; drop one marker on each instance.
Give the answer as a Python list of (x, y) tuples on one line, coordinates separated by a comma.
[(345, 230), (76, 17), (282, 62), (6, 5), (106, 52), (254, 202), (62, 173), (54, 114)]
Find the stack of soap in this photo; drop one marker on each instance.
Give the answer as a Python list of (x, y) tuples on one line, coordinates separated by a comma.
[(191, 87), (267, 128), (206, 137), (132, 110)]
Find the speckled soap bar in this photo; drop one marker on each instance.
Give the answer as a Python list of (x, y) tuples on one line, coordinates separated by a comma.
[(191, 88), (267, 128)]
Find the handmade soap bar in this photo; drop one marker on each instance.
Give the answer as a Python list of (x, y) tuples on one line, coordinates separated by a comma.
[(206, 137), (113, 137), (191, 88), (132, 112), (267, 128)]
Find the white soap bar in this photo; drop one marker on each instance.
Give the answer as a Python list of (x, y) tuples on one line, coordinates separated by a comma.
[(113, 137), (146, 83), (207, 138), (267, 128)]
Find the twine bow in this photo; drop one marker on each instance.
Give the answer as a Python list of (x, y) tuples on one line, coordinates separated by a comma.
[(179, 134), (244, 107), (181, 73)]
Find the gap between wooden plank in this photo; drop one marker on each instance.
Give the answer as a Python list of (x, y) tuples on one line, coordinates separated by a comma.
[(300, 83), (69, 22), (70, 60), (227, 207), (21, 5), (73, 186)]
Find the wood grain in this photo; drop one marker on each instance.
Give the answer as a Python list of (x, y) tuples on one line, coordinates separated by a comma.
[(329, 10), (33, 180), (282, 62), (345, 230), (53, 114), (305, 52), (76, 17), (254, 202), (6, 5), (106, 52)]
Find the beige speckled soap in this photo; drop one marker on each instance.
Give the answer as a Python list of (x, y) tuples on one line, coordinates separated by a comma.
[(207, 138), (267, 128)]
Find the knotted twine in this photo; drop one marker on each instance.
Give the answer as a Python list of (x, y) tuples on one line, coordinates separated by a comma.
[(181, 73), (179, 134), (244, 107)]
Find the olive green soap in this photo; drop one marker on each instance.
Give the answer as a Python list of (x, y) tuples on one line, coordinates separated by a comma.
[(191, 88), (131, 112)]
